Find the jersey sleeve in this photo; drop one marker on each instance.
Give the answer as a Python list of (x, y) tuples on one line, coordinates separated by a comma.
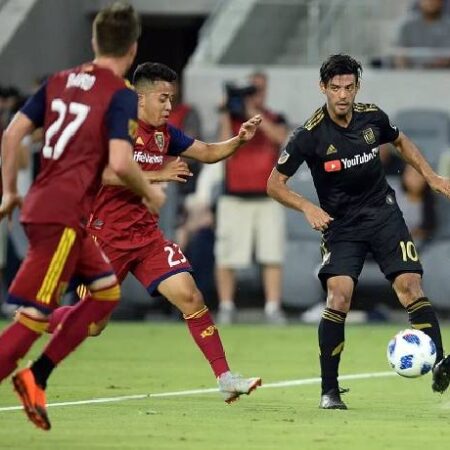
[(121, 117), (299, 146), (179, 142), (388, 132), (34, 107)]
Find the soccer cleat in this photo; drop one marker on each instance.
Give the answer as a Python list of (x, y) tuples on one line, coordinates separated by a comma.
[(332, 399), (32, 397), (233, 385), (441, 375)]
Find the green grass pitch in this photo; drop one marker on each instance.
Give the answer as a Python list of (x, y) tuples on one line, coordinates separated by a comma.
[(128, 359)]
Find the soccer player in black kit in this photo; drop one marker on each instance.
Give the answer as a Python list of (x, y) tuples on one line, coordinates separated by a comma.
[(358, 213)]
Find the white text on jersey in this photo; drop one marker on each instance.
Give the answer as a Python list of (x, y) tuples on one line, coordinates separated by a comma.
[(144, 157), (360, 159), (80, 80)]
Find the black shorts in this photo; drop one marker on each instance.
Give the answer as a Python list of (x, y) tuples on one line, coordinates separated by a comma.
[(387, 238)]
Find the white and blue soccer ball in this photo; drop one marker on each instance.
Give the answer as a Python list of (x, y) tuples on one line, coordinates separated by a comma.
[(411, 353)]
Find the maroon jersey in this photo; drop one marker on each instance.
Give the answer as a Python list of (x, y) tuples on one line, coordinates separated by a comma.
[(119, 217), (81, 109)]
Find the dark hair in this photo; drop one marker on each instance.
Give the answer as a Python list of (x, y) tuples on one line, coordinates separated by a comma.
[(115, 29), (153, 71), (340, 65)]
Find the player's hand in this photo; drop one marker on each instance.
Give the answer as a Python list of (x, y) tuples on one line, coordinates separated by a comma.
[(441, 185), (317, 217), (9, 203), (175, 170), (156, 198), (248, 129)]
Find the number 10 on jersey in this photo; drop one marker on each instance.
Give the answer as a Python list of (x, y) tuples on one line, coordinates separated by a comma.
[(408, 251)]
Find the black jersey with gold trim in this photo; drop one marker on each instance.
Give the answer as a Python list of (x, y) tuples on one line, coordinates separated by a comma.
[(344, 162)]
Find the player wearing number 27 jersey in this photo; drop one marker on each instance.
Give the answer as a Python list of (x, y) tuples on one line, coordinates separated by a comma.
[(70, 106), (88, 117)]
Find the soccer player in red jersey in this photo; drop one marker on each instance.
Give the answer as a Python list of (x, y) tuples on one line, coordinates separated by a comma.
[(130, 235), (89, 119)]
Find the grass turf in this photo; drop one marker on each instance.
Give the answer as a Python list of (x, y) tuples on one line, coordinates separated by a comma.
[(144, 358)]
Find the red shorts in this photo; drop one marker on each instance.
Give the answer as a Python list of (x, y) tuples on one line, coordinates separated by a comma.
[(56, 255), (150, 264)]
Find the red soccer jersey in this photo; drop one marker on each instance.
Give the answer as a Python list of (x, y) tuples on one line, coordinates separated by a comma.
[(119, 217), (81, 109)]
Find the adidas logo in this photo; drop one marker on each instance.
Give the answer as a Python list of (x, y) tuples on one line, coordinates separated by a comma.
[(331, 149)]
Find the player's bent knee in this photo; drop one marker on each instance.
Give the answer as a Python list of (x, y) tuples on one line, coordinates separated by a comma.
[(338, 300), (32, 319), (110, 293), (191, 299), (103, 283), (409, 286)]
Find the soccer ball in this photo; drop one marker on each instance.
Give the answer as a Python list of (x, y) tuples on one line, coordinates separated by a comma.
[(411, 353)]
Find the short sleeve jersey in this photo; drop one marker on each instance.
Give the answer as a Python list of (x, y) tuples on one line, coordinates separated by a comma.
[(344, 162), (80, 109), (119, 217)]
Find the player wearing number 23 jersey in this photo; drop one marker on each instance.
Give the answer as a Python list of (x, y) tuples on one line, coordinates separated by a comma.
[(127, 232)]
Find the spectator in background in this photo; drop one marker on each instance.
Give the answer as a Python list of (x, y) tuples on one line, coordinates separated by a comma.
[(445, 7), (417, 204), (424, 39), (246, 217)]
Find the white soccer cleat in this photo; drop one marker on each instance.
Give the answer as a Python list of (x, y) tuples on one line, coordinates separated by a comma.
[(233, 385)]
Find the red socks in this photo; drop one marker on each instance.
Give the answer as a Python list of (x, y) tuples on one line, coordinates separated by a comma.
[(57, 316), (206, 336), (15, 341), (74, 328)]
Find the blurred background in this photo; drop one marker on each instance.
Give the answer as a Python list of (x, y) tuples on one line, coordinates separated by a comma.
[(217, 46)]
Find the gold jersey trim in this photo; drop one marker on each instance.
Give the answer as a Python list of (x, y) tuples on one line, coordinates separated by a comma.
[(365, 107), (315, 119)]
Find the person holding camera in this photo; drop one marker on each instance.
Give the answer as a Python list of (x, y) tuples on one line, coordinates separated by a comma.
[(249, 222)]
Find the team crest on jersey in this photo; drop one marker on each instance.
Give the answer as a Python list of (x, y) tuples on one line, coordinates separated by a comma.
[(369, 136), (283, 157), (159, 140), (132, 128)]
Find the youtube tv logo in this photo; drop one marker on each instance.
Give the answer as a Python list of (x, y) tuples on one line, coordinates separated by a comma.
[(333, 166)]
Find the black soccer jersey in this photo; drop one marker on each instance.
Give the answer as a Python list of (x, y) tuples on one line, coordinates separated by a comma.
[(344, 162)]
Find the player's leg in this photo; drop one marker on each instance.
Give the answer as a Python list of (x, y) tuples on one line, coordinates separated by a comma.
[(395, 252), (181, 291), (39, 286), (121, 261), (74, 329), (408, 287), (270, 240), (422, 316), (233, 249), (341, 267), (35, 288), (332, 338), (165, 270)]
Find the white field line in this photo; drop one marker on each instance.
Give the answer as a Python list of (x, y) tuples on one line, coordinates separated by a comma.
[(278, 384)]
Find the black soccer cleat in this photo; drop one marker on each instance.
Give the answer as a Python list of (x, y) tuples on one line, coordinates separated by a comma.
[(332, 399), (441, 375)]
